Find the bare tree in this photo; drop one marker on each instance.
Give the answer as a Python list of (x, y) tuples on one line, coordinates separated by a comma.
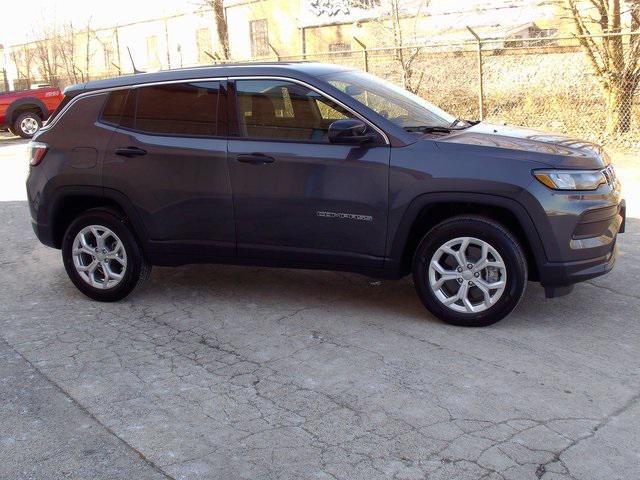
[(88, 53), (615, 58), (65, 49), (45, 55), (400, 21), (23, 58), (222, 28), (56, 53)]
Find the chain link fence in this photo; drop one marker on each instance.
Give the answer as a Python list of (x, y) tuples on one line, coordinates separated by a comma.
[(540, 83), (547, 84)]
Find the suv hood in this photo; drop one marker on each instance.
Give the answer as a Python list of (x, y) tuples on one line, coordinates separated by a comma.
[(552, 149)]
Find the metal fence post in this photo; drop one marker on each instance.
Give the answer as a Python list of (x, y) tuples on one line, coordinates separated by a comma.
[(5, 80), (166, 41), (275, 51), (480, 74), (215, 60), (365, 54), (303, 42)]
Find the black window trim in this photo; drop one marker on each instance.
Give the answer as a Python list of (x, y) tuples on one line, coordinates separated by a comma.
[(227, 80)]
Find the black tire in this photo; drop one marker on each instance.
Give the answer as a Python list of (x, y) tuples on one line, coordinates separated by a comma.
[(487, 230), (17, 125), (137, 268), (12, 131)]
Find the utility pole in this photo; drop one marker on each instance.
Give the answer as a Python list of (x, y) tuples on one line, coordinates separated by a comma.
[(118, 50), (166, 39), (365, 53), (480, 74)]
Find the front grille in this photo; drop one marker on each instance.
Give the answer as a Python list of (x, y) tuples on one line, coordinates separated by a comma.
[(594, 223)]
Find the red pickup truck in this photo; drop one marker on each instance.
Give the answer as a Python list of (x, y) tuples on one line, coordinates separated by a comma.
[(22, 113)]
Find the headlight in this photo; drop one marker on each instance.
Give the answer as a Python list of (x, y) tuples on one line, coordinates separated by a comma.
[(571, 179)]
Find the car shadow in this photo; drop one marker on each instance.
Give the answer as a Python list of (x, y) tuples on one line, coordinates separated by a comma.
[(277, 289), (334, 292), (356, 293)]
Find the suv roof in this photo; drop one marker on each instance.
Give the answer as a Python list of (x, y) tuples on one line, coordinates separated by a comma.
[(293, 69)]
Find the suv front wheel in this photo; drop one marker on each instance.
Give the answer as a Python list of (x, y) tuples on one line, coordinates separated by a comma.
[(470, 271), (102, 256)]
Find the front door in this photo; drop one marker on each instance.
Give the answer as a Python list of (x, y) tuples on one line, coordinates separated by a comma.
[(296, 196), (168, 156)]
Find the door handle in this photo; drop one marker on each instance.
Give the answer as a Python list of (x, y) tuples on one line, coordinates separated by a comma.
[(255, 158), (130, 152)]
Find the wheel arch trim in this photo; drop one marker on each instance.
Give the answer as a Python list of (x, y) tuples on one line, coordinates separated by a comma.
[(106, 196), (398, 240), (18, 105)]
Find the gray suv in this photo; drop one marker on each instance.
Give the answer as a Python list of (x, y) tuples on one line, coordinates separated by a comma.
[(316, 166)]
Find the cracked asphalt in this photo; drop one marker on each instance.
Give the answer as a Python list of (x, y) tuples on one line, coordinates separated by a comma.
[(219, 372)]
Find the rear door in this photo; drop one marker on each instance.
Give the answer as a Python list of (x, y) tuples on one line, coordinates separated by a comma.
[(296, 196), (168, 156)]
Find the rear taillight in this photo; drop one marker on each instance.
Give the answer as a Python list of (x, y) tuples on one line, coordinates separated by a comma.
[(37, 151)]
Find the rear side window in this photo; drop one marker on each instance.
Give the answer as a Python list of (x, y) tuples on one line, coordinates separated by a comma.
[(178, 109), (189, 109), (114, 106)]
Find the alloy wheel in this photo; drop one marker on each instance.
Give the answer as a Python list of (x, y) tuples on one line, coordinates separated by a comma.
[(99, 257), (467, 275)]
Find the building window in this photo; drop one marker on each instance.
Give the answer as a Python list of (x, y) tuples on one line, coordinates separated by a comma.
[(153, 58), (339, 47), (259, 38), (203, 44)]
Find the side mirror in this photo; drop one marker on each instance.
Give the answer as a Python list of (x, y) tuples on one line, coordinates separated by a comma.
[(351, 131)]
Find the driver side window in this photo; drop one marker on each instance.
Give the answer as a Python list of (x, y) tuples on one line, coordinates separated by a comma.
[(281, 110)]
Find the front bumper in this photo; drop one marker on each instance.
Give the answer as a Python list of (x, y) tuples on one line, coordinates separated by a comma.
[(558, 277)]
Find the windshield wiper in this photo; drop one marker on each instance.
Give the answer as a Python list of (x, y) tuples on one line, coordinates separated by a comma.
[(432, 129), (470, 123), (455, 126)]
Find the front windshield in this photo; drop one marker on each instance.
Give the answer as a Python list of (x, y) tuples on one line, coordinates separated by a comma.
[(393, 103)]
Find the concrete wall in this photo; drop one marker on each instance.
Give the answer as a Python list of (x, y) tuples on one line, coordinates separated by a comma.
[(282, 24), (171, 42)]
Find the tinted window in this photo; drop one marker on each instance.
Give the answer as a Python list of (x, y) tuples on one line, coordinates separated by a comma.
[(277, 109), (178, 109), (128, 116), (114, 106)]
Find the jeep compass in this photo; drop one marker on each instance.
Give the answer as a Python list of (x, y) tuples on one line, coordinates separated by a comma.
[(311, 165)]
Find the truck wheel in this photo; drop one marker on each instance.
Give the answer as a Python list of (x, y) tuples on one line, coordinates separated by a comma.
[(102, 256), (470, 271), (27, 124)]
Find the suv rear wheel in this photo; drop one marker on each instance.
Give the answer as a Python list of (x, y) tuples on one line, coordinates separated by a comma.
[(102, 257), (470, 271), (27, 124)]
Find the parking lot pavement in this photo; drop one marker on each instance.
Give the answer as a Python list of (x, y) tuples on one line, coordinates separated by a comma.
[(46, 435), (230, 372), (13, 167)]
